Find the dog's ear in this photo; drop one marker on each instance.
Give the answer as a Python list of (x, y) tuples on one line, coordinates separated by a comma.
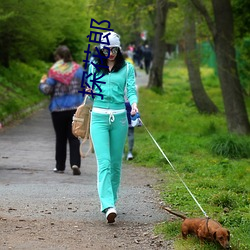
[(214, 235), (228, 237)]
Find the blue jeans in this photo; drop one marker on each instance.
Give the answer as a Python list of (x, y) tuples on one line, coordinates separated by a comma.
[(108, 139)]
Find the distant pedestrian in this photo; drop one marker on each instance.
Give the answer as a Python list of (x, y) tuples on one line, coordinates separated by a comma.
[(130, 133), (138, 55), (147, 54), (62, 84), (130, 127)]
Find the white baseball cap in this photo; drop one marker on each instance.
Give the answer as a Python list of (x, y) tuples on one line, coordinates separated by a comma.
[(112, 38)]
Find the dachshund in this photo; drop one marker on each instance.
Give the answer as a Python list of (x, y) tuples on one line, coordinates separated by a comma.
[(204, 229)]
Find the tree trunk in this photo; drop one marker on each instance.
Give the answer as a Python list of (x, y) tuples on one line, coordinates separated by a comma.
[(159, 47), (235, 109), (201, 99)]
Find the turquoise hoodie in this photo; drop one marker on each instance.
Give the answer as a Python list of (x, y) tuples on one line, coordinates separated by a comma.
[(114, 86)]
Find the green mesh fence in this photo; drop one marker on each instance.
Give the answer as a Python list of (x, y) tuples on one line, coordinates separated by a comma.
[(208, 58)]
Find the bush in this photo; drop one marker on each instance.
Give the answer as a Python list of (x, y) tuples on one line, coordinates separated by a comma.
[(231, 146), (19, 88), (223, 200)]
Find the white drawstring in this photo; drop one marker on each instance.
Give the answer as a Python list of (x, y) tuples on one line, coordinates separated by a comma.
[(111, 117), (110, 112)]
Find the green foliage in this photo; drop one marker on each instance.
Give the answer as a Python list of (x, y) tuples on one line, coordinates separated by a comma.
[(175, 25), (176, 18), (19, 87), (219, 183), (241, 17), (133, 18), (242, 37), (243, 59), (29, 33)]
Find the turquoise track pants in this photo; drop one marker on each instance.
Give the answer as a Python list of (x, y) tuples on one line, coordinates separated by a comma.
[(108, 136)]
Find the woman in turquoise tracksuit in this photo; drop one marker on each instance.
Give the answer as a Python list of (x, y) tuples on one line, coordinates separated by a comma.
[(109, 123)]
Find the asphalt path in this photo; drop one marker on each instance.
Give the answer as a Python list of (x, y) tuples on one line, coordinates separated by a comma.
[(31, 190), (26, 164)]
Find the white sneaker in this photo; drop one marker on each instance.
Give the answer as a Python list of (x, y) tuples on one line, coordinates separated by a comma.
[(58, 171), (111, 214), (130, 156)]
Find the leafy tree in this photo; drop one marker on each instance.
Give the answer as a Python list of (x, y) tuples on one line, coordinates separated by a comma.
[(201, 99), (175, 24), (75, 26), (221, 28), (129, 18), (156, 72), (241, 18), (28, 33), (182, 24), (242, 33)]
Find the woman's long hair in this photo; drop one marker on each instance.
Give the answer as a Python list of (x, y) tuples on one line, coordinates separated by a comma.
[(119, 62)]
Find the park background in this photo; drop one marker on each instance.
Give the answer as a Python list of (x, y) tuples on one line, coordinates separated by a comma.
[(196, 125)]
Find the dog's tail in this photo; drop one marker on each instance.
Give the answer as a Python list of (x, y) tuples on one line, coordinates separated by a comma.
[(175, 213)]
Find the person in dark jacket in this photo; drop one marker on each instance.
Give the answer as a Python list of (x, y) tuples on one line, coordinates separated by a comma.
[(62, 84), (147, 54)]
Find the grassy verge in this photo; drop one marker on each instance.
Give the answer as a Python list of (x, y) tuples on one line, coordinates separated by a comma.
[(212, 163), (19, 88)]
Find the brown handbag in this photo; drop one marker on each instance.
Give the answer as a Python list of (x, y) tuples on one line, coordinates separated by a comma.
[(81, 126)]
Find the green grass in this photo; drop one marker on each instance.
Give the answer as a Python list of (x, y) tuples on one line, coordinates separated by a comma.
[(19, 87), (214, 164)]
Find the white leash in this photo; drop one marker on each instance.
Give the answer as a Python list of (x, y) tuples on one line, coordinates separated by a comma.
[(174, 169)]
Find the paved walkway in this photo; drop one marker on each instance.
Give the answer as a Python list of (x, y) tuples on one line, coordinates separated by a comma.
[(29, 189), (27, 158), (141, 78), (26, 163)]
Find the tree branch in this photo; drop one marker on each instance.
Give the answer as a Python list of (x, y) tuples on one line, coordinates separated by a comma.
[(202, 9)]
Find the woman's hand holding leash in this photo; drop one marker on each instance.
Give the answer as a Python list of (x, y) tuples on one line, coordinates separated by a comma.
[(134, 109), (88, 91), (135, 116)]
